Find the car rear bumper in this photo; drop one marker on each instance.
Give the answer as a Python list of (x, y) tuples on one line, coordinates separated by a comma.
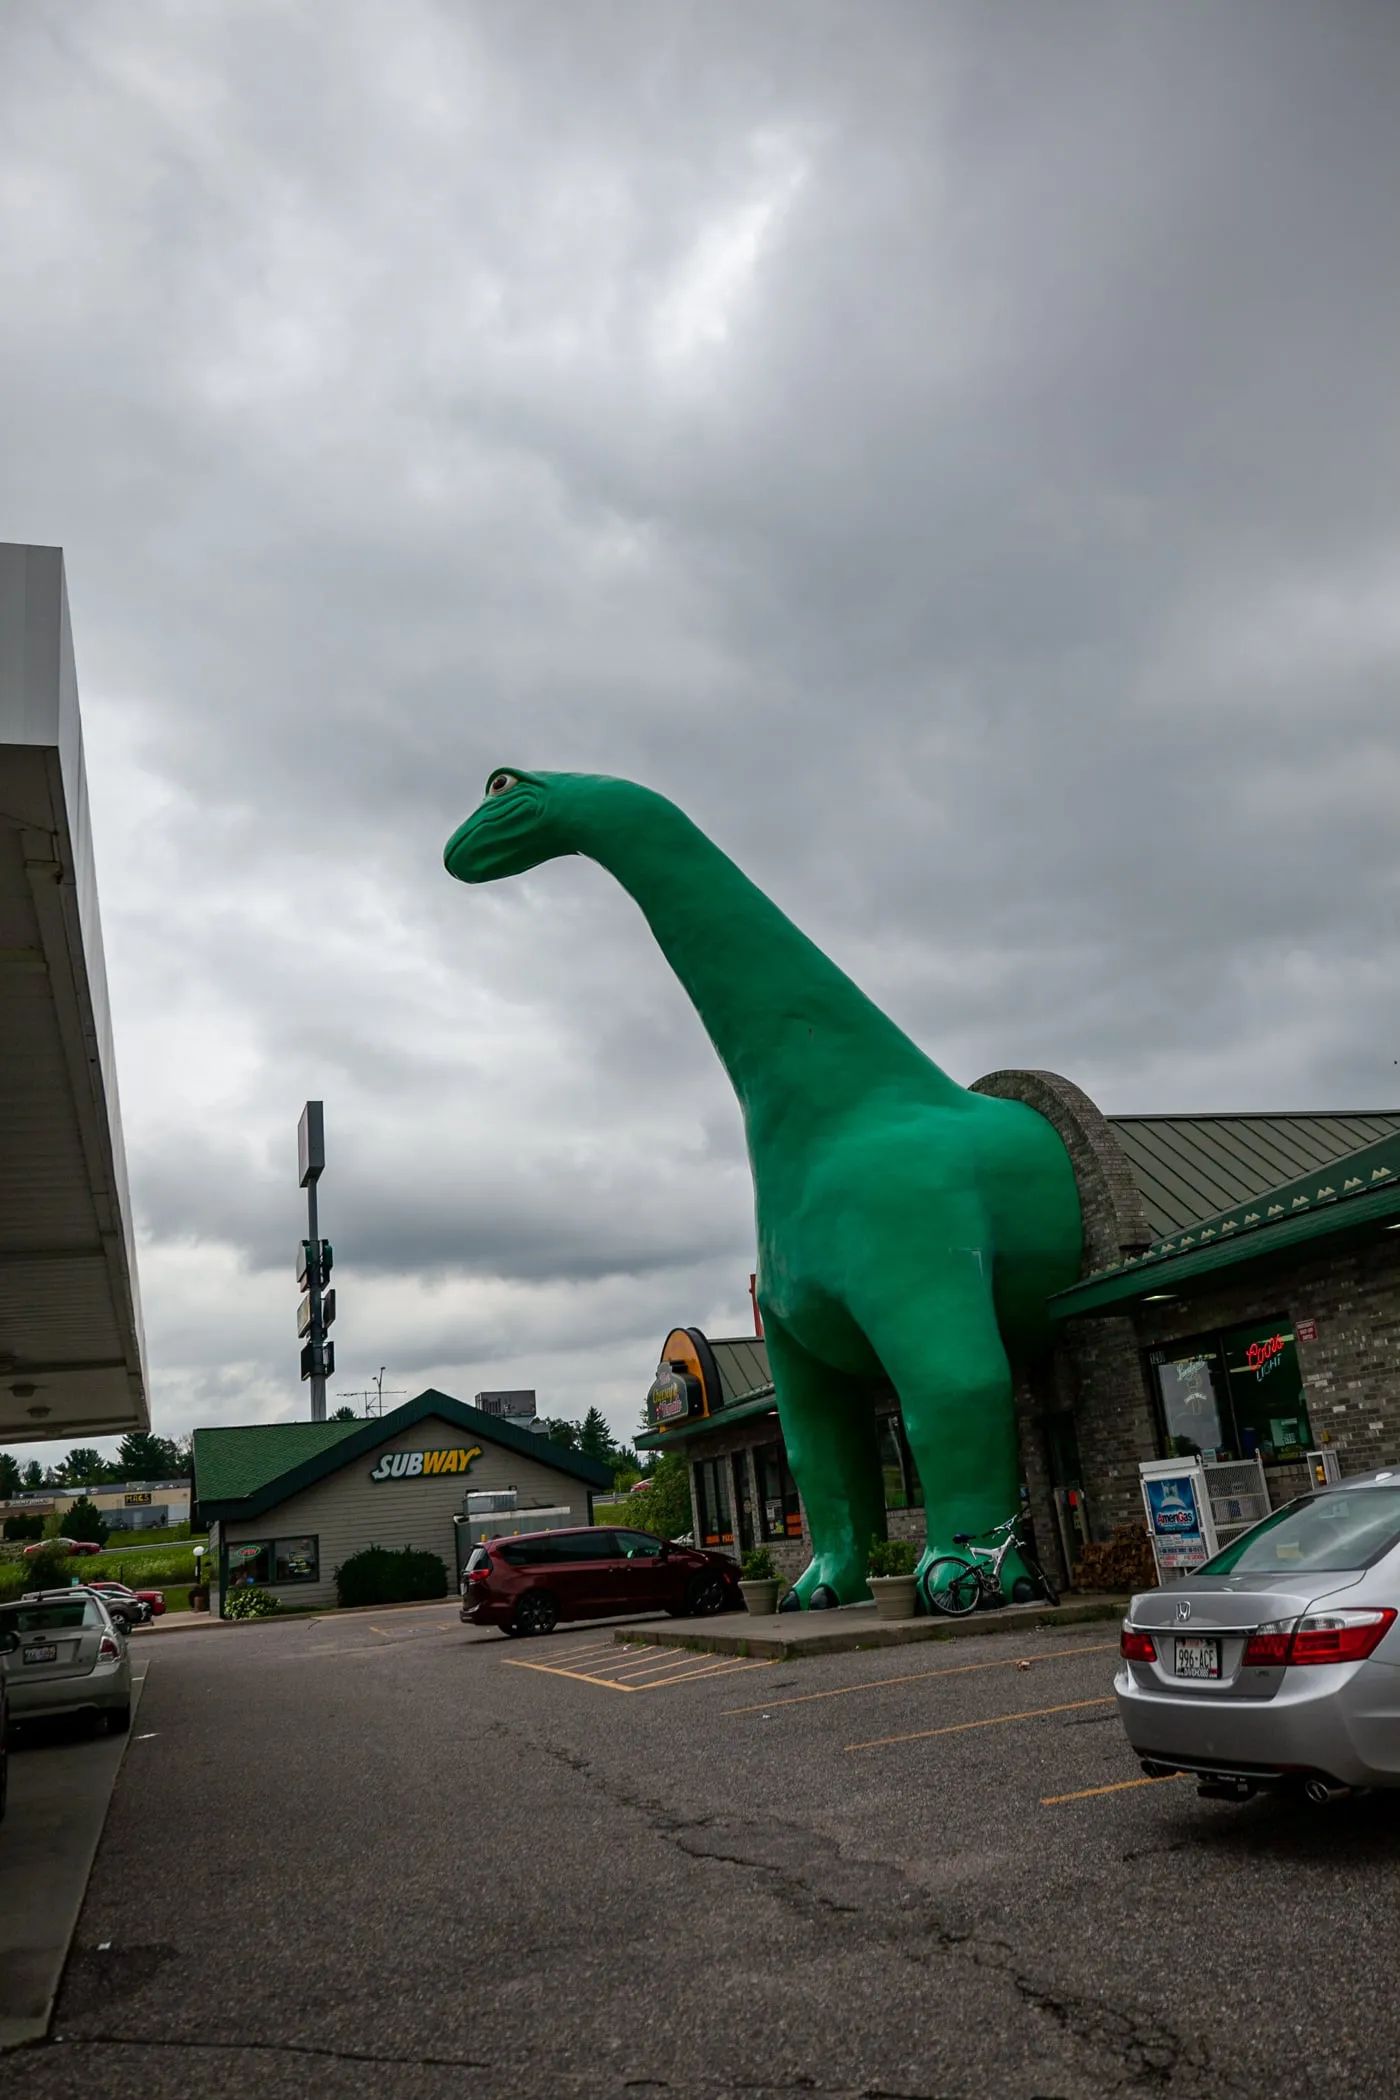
[(484, 1614), (98, 1690), (1340, 1722)]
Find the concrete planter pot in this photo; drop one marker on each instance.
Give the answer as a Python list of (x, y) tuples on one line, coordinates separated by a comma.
[(761, 1598), (896, 1596)]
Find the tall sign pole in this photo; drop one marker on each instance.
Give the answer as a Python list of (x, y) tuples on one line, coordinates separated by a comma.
[(314, 1259)]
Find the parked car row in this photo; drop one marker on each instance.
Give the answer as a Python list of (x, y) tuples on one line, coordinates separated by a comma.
[(527, 1582)]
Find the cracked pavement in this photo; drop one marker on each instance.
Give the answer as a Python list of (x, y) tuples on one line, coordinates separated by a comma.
[(381, 1860)]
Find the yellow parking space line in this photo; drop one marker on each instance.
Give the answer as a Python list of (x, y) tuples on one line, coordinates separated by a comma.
[(556, 1670), (687, 1659), (875, 1684), (1119, 1786), (724, 1669), (1034, 1713)]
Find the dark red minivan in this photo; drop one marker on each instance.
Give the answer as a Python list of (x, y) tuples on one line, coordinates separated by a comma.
[(528, 1582)]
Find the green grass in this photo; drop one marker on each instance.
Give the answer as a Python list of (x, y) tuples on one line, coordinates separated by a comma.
[(139, 1571), (162, 1535)]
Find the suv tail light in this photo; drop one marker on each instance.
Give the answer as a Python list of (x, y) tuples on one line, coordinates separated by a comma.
[(107, 1649), (1322, 1637), (482, 1574), (1135, 1647)]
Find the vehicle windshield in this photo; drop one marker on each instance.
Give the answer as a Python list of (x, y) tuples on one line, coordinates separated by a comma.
[(1323, 1534), (48, 1618)]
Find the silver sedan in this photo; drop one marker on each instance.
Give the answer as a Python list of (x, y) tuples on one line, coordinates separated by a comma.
[(1278, 1662), (62, 1653)]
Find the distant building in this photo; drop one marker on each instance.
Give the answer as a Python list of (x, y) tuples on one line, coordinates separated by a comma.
[(514, 1406)]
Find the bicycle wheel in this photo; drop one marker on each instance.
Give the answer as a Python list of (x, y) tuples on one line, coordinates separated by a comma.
[(952, 1586)]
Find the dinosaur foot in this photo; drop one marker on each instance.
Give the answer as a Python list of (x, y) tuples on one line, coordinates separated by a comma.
[(824, 1584)]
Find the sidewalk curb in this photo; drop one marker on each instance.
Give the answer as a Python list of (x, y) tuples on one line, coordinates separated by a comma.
[(874, 1633), (20, 2030)]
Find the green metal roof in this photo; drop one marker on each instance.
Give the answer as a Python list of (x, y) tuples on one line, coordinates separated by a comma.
[(232, 1463), (243, 1478), (742, 1363), (1358, 1193), (1196, 1166), (762, 1403)]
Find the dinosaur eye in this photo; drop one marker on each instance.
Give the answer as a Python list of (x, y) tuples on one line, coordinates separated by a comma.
[(502, 783)]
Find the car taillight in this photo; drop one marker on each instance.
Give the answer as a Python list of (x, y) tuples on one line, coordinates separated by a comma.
[(1267, 1646), (1339, 1636), (478, 1574), (107, 1649), (1135, 1647)]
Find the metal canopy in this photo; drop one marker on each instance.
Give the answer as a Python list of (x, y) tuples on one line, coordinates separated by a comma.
[(72, 1354)]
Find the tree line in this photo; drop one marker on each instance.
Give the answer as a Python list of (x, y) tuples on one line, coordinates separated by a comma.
[(140, 1456)]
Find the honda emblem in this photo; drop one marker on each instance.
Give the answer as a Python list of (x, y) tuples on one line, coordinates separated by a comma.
[(1183, 1609)]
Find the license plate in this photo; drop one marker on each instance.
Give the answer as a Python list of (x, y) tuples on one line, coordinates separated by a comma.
[(41, 1652), (1197, 1658)]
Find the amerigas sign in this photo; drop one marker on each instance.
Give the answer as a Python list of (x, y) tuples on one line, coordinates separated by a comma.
[(415, 1465)]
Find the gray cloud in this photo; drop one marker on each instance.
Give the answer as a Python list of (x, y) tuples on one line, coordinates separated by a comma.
[(951, 452)]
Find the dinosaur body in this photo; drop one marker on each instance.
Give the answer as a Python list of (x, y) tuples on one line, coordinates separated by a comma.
[(906, 1226)]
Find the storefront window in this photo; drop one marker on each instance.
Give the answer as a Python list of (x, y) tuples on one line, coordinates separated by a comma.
[(743, 1500), (903, 1487), (249, 1563), (1266, 1390), (1189, 1393), (296, 1560), (712, 1499), (779, 1511), (258, 1563), (1238, 1394)]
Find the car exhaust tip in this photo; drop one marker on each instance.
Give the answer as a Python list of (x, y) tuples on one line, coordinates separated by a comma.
[(1320, 1791)]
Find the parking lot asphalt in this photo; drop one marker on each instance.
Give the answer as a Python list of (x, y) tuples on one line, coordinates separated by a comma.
[(399, 1857)]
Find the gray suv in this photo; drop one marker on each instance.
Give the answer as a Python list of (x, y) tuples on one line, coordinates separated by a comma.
[(1278, 1662)]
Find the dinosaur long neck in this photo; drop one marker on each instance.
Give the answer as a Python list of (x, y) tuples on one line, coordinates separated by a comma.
[(792, 1030)]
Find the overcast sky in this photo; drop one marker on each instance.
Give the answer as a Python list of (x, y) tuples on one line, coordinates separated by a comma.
[(953, 451)]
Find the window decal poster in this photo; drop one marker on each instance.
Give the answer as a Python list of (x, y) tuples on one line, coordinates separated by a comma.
[(1176, 1521)]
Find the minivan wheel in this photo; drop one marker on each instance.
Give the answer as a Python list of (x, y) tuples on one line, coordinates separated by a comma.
[(536, 1612), (707, 1596)]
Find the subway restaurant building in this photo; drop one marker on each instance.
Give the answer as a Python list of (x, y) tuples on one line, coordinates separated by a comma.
[(1239, 1298), (287, 1502)]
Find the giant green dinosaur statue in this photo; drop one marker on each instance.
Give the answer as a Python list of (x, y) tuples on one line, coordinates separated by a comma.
[(905, 1225)]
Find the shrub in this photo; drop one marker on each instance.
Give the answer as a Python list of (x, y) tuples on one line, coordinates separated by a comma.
[(663, 1505), (892, 1557), (50, 1570), (24, 1527), (250, 1604), (758, 1566), (1124, 1562), (377, 1576)]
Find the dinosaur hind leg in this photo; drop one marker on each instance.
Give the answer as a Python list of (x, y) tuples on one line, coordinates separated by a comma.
[(942, 1350), (831, 1448)]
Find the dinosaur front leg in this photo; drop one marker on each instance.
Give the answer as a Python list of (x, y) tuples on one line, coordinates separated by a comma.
[(941, 1347), (830, 1436)]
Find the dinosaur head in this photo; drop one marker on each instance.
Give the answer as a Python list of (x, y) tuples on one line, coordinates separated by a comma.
[(514, 828)]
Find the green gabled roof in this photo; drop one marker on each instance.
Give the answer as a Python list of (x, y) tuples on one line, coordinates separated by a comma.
[(1354, 1195), (242, 1472), (232, 1463), (1190, 1167)]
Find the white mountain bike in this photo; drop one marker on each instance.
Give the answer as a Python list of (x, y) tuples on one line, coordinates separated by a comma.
[(955, 1586)]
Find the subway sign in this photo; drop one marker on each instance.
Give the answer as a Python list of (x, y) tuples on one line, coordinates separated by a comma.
[(421, 1465)]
